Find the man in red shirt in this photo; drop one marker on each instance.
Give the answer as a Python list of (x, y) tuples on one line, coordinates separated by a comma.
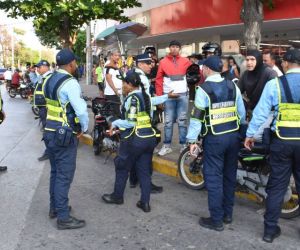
[(171, 77), (15, 80)]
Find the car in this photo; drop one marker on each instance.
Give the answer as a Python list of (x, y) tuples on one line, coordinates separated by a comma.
[(2, 71)]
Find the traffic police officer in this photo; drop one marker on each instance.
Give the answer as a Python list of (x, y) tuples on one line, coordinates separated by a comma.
[(43, 68), (282, 94), (138, 140), (219, 107), (2, 117), (144, 65), (67, 119)]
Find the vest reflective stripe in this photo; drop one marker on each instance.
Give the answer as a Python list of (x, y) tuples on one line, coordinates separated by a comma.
[(39, 96), (142, 127), (288, 117), (221, 116), (56, 112)]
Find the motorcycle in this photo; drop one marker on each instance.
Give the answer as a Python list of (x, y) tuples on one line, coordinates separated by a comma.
[(252, 176), (24, 90), (103, 114)]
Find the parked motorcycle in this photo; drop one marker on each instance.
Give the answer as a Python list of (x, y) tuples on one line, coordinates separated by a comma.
[(103, 114), (24, 90), (252, 176)]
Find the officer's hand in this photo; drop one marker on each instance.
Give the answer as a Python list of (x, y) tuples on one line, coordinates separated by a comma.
[(111, 131), (79, 134), (249, 143), (193, 147), (172, 95)]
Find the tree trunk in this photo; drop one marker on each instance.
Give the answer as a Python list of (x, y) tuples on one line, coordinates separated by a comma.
[(252, 16), (65, 34)]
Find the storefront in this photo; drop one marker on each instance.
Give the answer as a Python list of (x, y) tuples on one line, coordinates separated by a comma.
[(193, 22)]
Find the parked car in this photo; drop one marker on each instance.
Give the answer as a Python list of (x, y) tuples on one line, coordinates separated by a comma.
[(2, 74)]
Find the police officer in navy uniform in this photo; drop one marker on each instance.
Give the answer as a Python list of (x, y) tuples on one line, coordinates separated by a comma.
[(2, 117), (217, 114), (138, 140), (67, 119), (144, 63), (43, 68), (282, 94)]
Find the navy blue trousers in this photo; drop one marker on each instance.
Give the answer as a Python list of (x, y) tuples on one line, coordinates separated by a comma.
[(63, 165), (137, 152), (43, 115), (284, 161), (220, 168)]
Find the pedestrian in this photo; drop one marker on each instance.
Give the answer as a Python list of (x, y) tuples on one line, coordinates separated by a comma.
[(67, 120), (217, 115), (282, 94), (43, 69), (269, 58), (171, 77), (99, 78), (8, 77), (16, 78), (2, 118), (254, 79), (234, 69), (138, 140), (33, 76), (113, 83)]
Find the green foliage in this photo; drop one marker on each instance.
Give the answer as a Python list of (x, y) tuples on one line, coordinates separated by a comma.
[(58, 21), (80, 45)]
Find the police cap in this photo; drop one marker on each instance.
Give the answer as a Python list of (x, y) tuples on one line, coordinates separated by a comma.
[(145, 58), (292, 56), (65, 56), (42, 63), (214, 63)]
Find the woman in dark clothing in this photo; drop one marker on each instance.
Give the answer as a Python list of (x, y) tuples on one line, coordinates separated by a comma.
[(254, 79)]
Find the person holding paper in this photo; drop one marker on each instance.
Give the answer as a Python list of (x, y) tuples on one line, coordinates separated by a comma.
[(171, 77)]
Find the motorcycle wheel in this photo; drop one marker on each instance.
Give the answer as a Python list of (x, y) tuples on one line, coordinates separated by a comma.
[(191, 175), (12, 92), (23, 94), (97, 142), (35, 110), (290, 209)]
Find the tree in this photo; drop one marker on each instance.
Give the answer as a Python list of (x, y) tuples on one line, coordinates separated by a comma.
[(58, 21), (79, 46), (252, 15)]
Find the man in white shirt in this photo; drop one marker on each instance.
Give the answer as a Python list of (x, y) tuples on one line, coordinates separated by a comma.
[(270, 59), (8, 76), (113, 82)]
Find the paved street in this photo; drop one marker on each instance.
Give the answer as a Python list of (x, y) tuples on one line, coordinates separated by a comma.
[(172, 223)]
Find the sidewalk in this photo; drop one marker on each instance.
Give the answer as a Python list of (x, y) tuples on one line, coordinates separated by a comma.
[(162, 164)]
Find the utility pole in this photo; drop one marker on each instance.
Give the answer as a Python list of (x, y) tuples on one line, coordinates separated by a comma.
[(12, 48), (88, 55)]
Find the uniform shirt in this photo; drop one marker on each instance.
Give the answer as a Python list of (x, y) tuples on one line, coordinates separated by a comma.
[(202, 101), (269, 99), (33, 78), (125, 123), (71, 92), (144, 80)]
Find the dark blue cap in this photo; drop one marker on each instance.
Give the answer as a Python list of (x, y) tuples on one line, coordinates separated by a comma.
[(214, 63), (42, 63), (146, 57), (65, 56)]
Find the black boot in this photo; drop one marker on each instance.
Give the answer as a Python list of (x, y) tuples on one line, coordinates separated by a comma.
[(3, 168), (110, 199), (44, 157), (208, 223), (144, 206), (156, 189), (227, 219), (269, 237), (71, 223)]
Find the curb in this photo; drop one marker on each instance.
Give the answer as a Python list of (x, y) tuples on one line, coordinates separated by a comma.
[(169, 168)]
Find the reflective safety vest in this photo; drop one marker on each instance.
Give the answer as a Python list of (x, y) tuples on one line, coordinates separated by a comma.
[(220, 117), (288, 117), (57, 114), (39, 97), (137, 114)]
